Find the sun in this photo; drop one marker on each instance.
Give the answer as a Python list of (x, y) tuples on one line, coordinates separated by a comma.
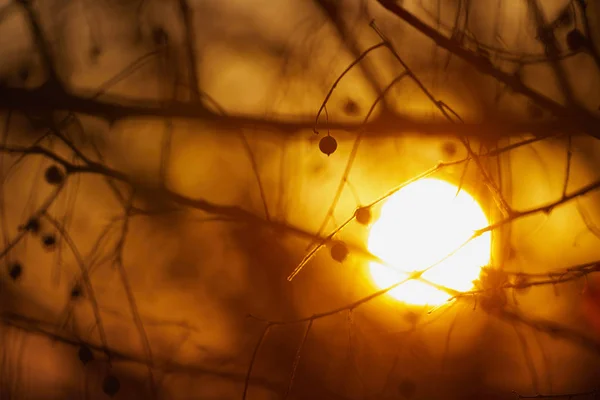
[(420, 225)]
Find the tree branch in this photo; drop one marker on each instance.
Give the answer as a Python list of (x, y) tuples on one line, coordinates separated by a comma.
[(578, 117), (44, 99)]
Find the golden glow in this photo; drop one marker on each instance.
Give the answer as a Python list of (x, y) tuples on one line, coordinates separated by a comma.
[(419, 226)]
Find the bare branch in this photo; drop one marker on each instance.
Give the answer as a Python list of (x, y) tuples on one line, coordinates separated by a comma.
[(297, 359), (578, 117), (263, 335), (187, 16), (44, 99)]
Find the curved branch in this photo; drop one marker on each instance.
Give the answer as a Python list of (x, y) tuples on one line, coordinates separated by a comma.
[(579, 117)]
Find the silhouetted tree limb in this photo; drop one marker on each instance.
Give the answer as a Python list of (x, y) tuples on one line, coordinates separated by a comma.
[(45, 99), (579, 117)]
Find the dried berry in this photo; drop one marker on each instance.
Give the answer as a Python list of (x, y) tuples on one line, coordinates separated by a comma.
[(15, 271), (351, 108), (54, 175), (85, 354), (76, 291), (339, 252), (327, 145), (33, 225), (49, 241), (576, 40), (363, 215), (111, 385)]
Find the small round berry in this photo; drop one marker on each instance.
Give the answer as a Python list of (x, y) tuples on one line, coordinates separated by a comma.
[(351, 108), (328, 145), (54, 175), (111, 385), (33, 225), (339, 252), (15, 271), (85, 354), (363, 215), (576, 40), (49, 241), (76, 291)]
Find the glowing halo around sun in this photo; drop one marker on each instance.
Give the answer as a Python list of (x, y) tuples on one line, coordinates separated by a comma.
[(420, 225)]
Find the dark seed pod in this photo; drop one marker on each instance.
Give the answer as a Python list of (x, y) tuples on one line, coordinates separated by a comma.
[(76, 291), (49, 241), (351, 108), (15, 271), (85, 354), (339, 252), (111, 385), (576, 40), (363, 215), (33, 225), (327, 145), (54, 175)]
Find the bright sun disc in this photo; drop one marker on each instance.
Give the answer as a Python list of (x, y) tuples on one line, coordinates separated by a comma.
[(420, 225)]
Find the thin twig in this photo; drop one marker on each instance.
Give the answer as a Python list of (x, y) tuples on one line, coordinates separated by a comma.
[(253, 359), (340, 77), (343, 180), (297, 359), (581, 118), (86, 281), (187, 16), (137, 319)]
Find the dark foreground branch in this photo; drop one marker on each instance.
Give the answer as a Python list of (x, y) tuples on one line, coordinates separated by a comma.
[(577, 116), (45, 99), (48, 330)]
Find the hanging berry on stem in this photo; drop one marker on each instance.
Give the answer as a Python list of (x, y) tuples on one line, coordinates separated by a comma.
[(49, 241), (327, 145), (111, 385), (85, 354), (15, 270), (33, 225), (576, 40), (76, 291), (339, 252), (54, 175), (363, 215)]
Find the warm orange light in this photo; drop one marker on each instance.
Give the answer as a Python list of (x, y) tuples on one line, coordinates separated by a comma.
[(419, 226)]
